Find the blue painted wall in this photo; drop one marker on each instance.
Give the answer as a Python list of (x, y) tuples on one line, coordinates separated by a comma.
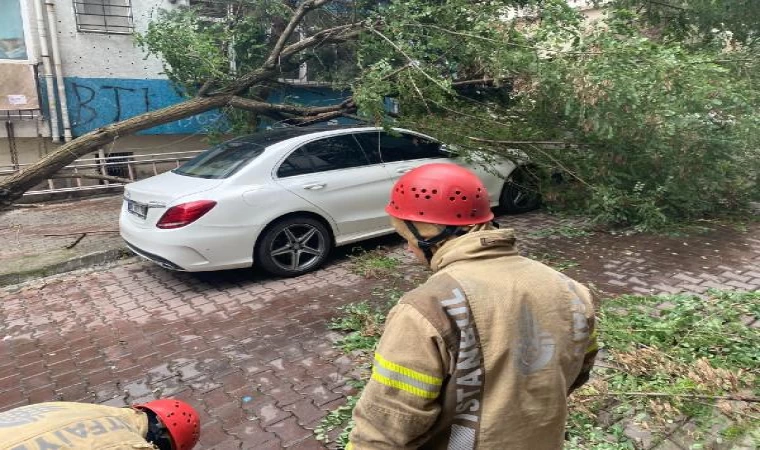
[(95, 102)]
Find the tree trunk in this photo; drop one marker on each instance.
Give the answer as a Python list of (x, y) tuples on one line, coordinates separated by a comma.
[(13, 187)]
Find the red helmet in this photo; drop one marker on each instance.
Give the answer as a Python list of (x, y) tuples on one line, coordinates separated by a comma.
[(444, 194), (181, 420)]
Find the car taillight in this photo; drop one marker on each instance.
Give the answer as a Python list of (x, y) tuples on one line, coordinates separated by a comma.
[(184, 214)]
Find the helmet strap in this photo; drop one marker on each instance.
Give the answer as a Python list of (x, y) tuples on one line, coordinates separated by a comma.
[(157, 434), (426, 245)]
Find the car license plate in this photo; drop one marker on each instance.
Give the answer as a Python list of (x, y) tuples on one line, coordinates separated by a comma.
[(137, 209)]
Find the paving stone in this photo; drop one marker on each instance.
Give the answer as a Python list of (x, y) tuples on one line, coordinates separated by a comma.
[(254, 354), (289, 432), (305, 411)]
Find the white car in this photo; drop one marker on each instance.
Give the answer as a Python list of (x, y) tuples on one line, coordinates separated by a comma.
[(284, 198)]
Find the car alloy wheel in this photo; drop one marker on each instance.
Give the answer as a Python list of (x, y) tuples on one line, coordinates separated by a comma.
[(521, 192), (294, 246)]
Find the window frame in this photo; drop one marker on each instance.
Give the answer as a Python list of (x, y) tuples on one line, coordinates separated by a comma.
[(80, 12)]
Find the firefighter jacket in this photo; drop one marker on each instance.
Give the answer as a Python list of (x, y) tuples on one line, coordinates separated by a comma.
[(483, 355), (69, 426)]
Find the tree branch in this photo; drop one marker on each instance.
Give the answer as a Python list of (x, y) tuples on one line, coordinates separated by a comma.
[(491, 141), (205, 88), (322, 117), (488, 81), (412, 63), (294, 22), (336, 34), (256, 106)]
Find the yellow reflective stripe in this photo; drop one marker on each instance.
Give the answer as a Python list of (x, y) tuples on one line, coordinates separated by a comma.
[(593, 345), (403, 386), (407, 372)]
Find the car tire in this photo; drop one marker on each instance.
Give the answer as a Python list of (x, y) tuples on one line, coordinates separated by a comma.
[(293, 246), (521, 192)]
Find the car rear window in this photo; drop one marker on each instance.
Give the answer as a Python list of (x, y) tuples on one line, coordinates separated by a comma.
[(222, 160)]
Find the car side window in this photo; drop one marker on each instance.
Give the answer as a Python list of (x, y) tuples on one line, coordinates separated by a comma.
[(408, 147), (333, 153), (298, 163), (370, 143)]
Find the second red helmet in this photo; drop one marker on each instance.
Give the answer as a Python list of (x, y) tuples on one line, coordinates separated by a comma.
[(440, 193), (180, 419)]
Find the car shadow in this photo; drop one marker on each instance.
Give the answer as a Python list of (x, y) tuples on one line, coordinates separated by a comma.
[(339, 255)]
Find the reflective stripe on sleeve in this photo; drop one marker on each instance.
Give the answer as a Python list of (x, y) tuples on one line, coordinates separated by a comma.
[(593, 344), (405, 379)]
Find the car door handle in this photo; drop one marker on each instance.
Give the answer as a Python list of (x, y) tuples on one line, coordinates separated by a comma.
[(404, 169), (314, 186)]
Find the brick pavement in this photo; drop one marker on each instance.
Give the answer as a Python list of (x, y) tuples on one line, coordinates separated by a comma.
[(254, 354)]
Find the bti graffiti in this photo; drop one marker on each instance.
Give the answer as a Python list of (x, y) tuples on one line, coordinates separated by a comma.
[(85, 95), (96, 102)]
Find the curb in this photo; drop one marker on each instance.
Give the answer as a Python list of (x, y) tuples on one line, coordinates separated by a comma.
[(80, 262)]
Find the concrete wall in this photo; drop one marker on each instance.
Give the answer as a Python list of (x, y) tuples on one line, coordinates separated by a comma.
[(96, 55)]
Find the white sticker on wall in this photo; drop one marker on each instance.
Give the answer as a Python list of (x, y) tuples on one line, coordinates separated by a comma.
[(18, 99)]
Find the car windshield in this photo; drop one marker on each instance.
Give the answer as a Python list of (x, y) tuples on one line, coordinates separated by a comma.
[(222, 160)]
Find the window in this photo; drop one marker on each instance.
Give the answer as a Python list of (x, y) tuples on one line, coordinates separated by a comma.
[(339, 152), (221, 161), (403, 147), (12, 41), (104, 16), (298, 163), (118, 164), (212, 8)]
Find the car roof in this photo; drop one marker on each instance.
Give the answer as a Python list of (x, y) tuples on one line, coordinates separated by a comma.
[(269, 137)]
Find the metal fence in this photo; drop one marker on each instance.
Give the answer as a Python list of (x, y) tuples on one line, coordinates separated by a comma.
[(74, 177)]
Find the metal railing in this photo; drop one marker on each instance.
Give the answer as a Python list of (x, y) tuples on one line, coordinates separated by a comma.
[(133, 167)]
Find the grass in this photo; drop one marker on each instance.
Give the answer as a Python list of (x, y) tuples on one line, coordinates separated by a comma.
[(566, 231), (363, 324), (553, 261), (374, 264), (666, 360), (693, 360)]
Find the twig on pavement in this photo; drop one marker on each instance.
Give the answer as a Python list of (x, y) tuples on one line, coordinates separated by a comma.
[(73, 244)]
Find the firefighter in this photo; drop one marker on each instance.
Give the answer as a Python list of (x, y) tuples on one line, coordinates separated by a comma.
[(165, 424), (484, 354)]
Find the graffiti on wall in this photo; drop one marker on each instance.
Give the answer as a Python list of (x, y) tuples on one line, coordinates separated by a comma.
[(95, 102)]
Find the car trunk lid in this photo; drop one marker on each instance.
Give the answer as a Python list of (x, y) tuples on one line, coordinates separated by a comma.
[(147, 200)]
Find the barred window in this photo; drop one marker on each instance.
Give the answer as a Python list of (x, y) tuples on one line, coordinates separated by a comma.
[(104, 16), (215, 9)]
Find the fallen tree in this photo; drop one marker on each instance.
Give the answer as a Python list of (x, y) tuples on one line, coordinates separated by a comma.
[(14, 186), (646, 124)]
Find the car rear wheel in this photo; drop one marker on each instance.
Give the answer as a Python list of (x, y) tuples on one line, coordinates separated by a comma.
[(521, 192), (293, 246)]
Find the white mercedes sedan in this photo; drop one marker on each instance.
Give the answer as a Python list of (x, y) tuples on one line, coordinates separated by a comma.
[(281, 200)]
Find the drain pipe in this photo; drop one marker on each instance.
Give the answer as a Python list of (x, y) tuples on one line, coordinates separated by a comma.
[(47, 71), (58, 70)]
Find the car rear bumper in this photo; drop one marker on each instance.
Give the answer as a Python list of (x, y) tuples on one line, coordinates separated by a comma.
[(165, 263), (191, 249)]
